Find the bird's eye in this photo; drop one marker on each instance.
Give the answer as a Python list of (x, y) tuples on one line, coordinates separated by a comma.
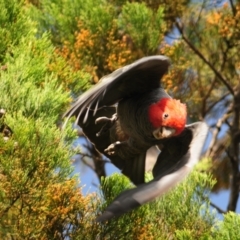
[(165, 115)]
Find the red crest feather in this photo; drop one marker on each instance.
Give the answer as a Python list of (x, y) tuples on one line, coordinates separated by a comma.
[(168, 112)]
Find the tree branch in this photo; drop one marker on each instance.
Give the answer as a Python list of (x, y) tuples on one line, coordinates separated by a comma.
[(216, 131), (200, 55), (232, 7), (233, 154), (10, 205), (237, 137), (204, 98), (234, 184), (99, 163), (214, 103), (217, 208)]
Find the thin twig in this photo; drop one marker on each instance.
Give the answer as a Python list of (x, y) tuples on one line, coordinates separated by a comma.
[(92, 166), (10, 205), (232, 7), (216, 102), (200, 55), (200, 12), (204, 98), (218, 208), (215, 133)]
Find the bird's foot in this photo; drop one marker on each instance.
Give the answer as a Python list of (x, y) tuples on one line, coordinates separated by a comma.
[(108, 123), (113, 148)]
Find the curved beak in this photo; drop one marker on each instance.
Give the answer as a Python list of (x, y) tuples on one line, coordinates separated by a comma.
[(163, 132)]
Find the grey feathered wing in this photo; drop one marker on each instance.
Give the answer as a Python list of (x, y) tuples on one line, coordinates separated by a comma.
[(179, 154), (175, 162), (141, 76)]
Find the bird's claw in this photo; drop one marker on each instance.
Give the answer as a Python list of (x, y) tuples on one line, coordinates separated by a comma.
[(108, 123), (111, 149)]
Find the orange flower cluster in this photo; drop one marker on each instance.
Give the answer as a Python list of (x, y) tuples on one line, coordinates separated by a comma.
[(63, 200), (228, 24), (121, 53), (175, 77), (144, 232), (64, 203), (214, 18), (98, 54), (231, 25)]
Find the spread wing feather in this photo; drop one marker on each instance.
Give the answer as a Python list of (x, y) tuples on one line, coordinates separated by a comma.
[(138, 77), (179, 154), (172, 166)]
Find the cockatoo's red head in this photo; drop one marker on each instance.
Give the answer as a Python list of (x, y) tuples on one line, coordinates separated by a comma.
[(168, 117)]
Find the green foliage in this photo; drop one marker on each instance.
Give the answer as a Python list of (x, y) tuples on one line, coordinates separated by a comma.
[(183, 212), (229, 228), (143, 25), (62, 17), (100, 37), (39, 198), (97, 16), (44, 50), (13, 23), (58, 17), (27, 85)]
